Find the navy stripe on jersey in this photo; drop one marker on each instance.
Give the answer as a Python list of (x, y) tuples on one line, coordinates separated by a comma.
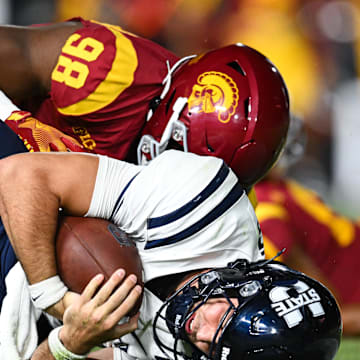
[(119, 199), (192, 204), (232, 197)]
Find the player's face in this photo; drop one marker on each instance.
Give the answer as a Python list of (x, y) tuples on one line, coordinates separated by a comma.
[(202, 325)]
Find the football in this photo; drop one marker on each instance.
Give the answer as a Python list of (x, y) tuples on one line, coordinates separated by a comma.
[(86, 247)]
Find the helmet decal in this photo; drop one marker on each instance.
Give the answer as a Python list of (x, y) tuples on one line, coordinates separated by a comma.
[(274, 312), (214, 92), (287, 306)]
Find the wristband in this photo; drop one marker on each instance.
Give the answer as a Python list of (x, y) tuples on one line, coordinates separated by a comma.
[(58, 350), (47, 292)]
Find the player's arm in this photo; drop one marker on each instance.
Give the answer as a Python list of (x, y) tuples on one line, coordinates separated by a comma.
[(43, 353), (28, 56), (29, 205), (33, 187)]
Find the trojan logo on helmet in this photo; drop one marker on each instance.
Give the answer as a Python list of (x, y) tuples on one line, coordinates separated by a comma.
[(231, 103), (214, 92)]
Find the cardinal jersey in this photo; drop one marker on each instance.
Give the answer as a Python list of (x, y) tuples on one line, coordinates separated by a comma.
[(102, 86), (292, 215), (184, 211)]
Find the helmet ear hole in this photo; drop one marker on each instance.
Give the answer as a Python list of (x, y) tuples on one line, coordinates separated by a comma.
[(246, 107), (236, 66), (210, 148)]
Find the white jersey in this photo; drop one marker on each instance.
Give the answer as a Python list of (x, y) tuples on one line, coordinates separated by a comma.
[(184, 211)]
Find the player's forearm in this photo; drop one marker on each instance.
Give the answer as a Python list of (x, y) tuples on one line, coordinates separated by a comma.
[(29, 213), (32, 188), (43, 353)]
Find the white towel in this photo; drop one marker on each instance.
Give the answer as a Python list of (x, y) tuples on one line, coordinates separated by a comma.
[(18, 333)]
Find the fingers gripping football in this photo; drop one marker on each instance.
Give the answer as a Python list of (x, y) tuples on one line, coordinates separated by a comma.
[(94, 316)]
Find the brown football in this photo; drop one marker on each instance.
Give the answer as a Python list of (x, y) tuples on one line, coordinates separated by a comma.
[(88, 246)]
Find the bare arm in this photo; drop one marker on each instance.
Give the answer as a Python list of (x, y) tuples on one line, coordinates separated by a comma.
[(43, 353), (28, 56), (33, 187)]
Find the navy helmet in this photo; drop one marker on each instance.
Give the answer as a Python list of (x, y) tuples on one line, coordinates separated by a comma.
[(280, 314)]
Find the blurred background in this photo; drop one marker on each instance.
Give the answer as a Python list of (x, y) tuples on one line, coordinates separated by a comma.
[(314, 43)]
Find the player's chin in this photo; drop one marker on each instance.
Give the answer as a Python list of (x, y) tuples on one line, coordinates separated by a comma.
[(203, 346)]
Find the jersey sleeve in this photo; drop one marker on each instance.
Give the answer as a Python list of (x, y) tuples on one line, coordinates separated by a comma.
[(112, 179), (96, 64), (196, 215), (103, 66), (184, 211)]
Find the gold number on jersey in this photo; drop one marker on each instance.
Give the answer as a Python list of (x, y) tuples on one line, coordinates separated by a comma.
[(74, 73), (87, 49)]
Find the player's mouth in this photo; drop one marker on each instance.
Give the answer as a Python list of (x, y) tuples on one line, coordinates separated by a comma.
[(189, 324)]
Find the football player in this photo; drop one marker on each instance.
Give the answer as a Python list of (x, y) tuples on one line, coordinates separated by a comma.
[(192, 222), (94, 87), (109, 90), (319, 242)]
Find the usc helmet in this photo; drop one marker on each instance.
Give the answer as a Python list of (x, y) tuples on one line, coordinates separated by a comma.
[(280, 314), (231, 103)]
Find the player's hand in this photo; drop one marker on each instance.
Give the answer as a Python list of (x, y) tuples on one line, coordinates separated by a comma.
[(94, 316), (57, 310), (40, 137)]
